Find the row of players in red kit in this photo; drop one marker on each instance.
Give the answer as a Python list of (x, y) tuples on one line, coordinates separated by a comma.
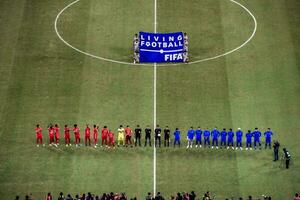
[(108, 137)]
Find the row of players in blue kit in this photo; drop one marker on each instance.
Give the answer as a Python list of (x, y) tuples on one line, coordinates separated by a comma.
[(211, 138)]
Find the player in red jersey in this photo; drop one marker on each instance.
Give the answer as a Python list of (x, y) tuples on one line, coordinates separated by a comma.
[(67, 135), (96, 128), (77, 134), (128, 134), (87, 135), (39, 135), (104, 135), (111, 139), (56, 131), (51, 135)]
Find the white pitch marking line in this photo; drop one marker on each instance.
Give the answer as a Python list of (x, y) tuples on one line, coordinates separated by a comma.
[(144, 64), (154, 106), (239, 47), (81, 51)]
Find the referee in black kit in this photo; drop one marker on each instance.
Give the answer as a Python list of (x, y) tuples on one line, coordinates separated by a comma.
[(138, 132), (167, 137), (148, 135), (157, 136)]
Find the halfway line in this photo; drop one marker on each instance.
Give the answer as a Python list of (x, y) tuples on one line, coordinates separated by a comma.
[(154, 108)]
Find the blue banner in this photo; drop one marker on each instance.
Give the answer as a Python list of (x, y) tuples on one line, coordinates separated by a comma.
[(161, 47)]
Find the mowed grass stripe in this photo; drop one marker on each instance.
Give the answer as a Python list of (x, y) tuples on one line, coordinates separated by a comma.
[(264, 89), (39, 92), (48, 81), (9, 36), (195, 95), (188, 94), (101, 171), (112, 94), (292, 16)]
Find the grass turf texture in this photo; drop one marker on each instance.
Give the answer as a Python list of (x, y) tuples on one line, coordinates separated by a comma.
[(42, 80)]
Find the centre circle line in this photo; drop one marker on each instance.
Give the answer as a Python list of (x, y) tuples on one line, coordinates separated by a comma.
[(151, 64)]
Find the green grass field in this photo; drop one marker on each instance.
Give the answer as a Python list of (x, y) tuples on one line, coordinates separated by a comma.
[(42, 80)]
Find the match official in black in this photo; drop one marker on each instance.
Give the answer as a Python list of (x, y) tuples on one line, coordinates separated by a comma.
[(287, 157), (138, 133), (167, 136), (157, 136), (148, 135), (276, 146)]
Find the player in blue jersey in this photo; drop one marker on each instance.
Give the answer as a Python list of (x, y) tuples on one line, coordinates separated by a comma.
[(268, 137), (249, 140), (206, 135), (177, 137), (230, 136), (239, 136), (256, 134), (215, 138), (223, 137), (190, 137), (198, 134)]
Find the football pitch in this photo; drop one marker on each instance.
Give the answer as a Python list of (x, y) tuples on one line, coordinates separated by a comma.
[(93, 81)]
